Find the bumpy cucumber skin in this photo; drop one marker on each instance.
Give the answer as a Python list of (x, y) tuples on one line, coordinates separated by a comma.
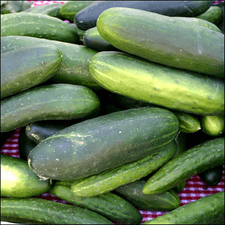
[(104, 142), (206, 155), (27, 67), (188, 91), (36, 210), (74, 67), (47, 102), (17, 180), (112, 179), (152, 36), (37, 25), (108, 205), (206, 210)]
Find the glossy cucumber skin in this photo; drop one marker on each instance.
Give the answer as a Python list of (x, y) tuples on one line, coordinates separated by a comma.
[(47, 102), (104, 142), (196, 48), (75, 62), (111, 179), (206, 210), (37, 210), (37, 25), (132, 192), (201, 157), (17, 180), (189, 92), (27, 67), (108, 205)]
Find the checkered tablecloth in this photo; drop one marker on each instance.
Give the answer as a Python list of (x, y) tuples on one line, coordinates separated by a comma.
[(194, 189)]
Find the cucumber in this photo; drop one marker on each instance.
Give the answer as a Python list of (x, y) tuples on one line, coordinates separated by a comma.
[(181, 141), (37, 25), (17, 180), (48, 102), (37, 210), (109, 205), (87, 17), (75, 62), (206, 210), (121, 175), (104, 142), (14, 6), (180, 186), (132, 192), (27, 67), (196, 48), (204, 156), (164, 86), (212, 125)]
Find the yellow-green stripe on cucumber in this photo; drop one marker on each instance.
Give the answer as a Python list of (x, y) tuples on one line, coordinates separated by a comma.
[(37, 210), (109, 205), (48, 102), (206, 210), (111, 179), (162, 39), (104, 142), (27, 67), (172, 88), (195, 160)]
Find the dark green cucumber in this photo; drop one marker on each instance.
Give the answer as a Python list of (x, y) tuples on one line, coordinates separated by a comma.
[(109, 205), (37, 210), (132, 192), (204, 156), (27, 67), (104, 142), (75, 62), (206, 210), (196, 48), (37, 25), (48, 102), (18, 180), (168, 87), (111, 179)]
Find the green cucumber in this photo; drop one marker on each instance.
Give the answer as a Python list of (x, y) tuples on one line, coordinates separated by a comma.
[(75, 62), (109, 205), (181, 141), (170, 41), (104, 142), (201, 157), (168, 87), (37, 210), (27, 67), (132, 192), (206, 210), (111, 179), (18, 180), (37, 25), (15, 6), (48, 102)]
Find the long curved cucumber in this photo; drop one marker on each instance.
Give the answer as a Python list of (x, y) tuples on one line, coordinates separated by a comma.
[(37, 210), (104, 142), (48, 102), (27, 67), (169, 41), (172, 88), (206, 210), (206, 155)]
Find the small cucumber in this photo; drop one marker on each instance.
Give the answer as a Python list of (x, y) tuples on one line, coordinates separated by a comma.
[(127, 173), (108, 205), (206, 210), (204, 156), (132, 192), (17, 180), (27, 67), (37, 210), (47, 102)]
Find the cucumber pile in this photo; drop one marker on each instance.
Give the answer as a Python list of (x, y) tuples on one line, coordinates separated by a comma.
[(117, 110)]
